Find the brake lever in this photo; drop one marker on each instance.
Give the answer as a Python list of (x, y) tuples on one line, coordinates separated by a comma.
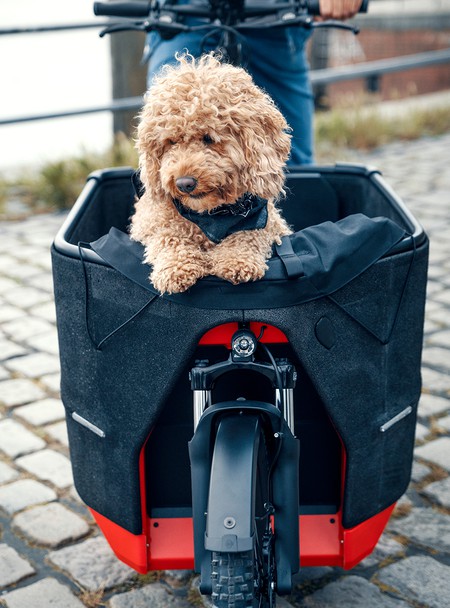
[(113, 29), (336, 25), (146, 26)]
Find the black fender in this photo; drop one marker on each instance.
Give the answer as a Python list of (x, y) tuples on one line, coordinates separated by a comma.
[(222, 454), (231, 500)]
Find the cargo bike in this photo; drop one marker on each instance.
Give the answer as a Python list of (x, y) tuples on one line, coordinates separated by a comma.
[(245, 431)]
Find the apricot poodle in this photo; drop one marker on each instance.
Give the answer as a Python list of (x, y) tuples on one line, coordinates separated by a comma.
[(212, 149)]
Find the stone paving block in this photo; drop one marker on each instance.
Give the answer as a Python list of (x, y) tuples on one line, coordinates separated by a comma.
[(432, 405), (440, 316), (150, 596), (419, 471), (435, 272), (26, 327), (50, 525), (58, 431), (47, 342), (10, 349), (92, 564), (420, 579), (430, 326), (433, 380), (436, 357), (351, 592), (41, 412), (16, 440), (425, 527), (432, 307), (9, 313), (26, 297), (439, 492), (434, 289), (27, 252), (24, 493), (43, 239), (421, 431), (21, 271), (437, 451), (43, 594), (444, 423), (44, 260), (45, 311), (42, 281), (52, 382), (13, 568), (49, 466), (441, 338), (7, 284), (403, 506), (443, 297), (34, 365), (7, 473), (386, 548), (74, 494), (19, 391)]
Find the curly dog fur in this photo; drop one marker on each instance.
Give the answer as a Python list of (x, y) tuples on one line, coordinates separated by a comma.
[(207, 121)]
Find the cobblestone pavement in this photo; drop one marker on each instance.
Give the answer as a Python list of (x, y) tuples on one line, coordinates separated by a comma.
[(51, 553)]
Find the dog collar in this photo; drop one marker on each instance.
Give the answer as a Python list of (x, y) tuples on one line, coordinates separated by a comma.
[(249, 212)]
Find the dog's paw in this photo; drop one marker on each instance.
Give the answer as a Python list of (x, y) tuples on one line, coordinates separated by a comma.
[(241, 271), (176, 279)]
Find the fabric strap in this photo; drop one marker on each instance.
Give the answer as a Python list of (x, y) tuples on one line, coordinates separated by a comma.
[(291, 261)]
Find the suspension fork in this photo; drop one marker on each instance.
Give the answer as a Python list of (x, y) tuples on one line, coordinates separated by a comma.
[(243, 347), (207, 418)]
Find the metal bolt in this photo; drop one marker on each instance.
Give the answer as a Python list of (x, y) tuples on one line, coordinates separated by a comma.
[(229, 522)]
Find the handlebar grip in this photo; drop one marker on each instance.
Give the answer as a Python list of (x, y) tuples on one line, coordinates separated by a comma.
[(313, 7), (122, 9)]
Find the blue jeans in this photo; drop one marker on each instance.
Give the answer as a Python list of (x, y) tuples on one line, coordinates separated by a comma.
[(276, 60)]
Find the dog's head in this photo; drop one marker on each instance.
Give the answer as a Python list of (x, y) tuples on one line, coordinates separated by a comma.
[(208, 134)]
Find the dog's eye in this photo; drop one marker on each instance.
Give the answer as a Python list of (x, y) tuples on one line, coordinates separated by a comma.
[(207, 139), (171, 142)]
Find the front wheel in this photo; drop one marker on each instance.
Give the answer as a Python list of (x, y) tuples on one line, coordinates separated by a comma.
[(246, 579), (233, 576)]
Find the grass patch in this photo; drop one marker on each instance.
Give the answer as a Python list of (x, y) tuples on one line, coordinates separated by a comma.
[(58, 184), (92, 599), (368, 127), (339, 135)]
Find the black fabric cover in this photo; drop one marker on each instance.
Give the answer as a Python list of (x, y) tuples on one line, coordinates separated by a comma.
[(119, 374), (330, 255)]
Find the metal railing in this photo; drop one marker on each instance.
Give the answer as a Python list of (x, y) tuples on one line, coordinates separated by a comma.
[(371, 71)]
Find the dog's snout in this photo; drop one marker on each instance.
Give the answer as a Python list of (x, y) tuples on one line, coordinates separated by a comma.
[(186, 184)]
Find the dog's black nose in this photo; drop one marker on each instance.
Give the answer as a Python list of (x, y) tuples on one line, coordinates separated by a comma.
[(186, 184)]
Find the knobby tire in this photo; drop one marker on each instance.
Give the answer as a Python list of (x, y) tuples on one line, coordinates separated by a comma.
[(236, 577)]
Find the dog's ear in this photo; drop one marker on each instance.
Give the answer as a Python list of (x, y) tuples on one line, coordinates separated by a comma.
[(150, 149), (267, 146), (277, 133)]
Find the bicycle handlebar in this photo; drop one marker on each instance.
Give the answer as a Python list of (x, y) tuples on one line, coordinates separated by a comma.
[(230, 17), (142, 9), (122, 9)]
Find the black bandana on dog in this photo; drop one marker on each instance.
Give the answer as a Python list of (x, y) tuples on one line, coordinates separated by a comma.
[(249, 212)]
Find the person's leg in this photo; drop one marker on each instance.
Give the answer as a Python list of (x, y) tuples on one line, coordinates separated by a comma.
[(278, 64)]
